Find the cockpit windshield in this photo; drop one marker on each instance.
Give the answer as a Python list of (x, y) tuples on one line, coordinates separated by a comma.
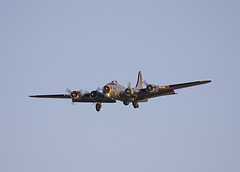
[(114, 82)]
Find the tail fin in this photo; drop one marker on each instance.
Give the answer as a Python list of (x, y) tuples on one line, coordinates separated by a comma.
[(140, 83)]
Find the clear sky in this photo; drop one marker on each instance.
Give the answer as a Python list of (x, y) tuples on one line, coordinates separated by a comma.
[(48, 46)]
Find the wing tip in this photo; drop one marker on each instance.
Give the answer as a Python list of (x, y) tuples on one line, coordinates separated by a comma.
[(51, 96), (206, 81)]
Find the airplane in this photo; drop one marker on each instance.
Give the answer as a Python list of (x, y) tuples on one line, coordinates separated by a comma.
[(114, 91)]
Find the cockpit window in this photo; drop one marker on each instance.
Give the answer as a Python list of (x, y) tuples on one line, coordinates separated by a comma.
[(114, 82)]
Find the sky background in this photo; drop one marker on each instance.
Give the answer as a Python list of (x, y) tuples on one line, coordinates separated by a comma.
[(48, 46)]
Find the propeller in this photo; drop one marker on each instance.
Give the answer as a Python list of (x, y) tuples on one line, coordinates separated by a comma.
[(128, 90), (149, 87), (95, 93), (74, 94)]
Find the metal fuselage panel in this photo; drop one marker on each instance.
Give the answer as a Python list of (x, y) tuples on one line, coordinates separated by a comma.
[(115, 90)]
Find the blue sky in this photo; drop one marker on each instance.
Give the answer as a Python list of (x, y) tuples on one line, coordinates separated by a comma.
[(48, 46)]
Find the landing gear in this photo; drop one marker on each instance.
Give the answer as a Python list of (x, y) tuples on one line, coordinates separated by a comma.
[(135, 104), (125, 103), (98, 107)]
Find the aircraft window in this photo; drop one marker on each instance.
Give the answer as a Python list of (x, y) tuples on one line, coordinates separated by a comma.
[(114, 82)]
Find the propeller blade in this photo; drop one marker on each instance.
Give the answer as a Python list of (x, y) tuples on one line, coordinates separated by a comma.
[(68, 90), (98, 89), (145, 82), (82, 91), (129, 84)]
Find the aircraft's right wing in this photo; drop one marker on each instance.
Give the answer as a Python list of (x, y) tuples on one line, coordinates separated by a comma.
[(82, 98), (61, 96)]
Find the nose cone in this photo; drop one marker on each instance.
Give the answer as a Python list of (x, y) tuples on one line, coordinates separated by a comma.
[(106, 89)]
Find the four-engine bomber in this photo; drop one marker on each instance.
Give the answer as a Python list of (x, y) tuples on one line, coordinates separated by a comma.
[(114, 91)]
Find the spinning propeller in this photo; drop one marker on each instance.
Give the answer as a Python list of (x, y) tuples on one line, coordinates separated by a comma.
[(128, 90)]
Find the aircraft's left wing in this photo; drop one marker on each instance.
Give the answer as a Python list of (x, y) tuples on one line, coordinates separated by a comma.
[(188, 84), (157, 91)]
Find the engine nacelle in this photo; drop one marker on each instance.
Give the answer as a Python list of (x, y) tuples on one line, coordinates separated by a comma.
[(76, 95), (128, 91), (93, 94), (151, 88), (106, 89)]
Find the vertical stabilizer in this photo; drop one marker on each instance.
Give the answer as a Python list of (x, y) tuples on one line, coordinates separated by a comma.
[(140, 83)]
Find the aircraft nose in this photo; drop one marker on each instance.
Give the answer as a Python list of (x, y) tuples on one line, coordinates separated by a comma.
[(106, 89)]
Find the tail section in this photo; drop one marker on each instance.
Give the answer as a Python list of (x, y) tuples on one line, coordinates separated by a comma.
[(140, 82)]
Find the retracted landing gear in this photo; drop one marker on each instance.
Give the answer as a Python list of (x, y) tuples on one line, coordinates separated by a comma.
[(98, 107), (135, 104)]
